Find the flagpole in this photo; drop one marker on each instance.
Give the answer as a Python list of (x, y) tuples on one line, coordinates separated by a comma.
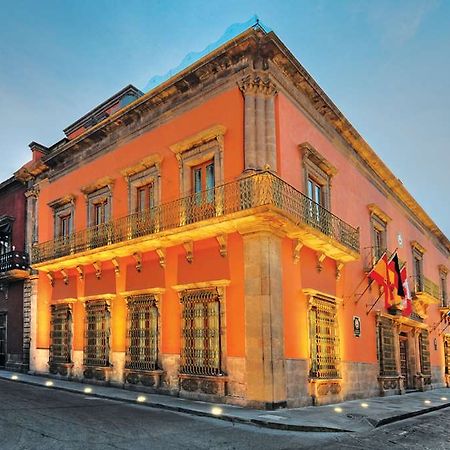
[(376, 301)]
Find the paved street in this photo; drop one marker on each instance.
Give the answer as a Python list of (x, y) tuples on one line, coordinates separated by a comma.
[(39, 418)]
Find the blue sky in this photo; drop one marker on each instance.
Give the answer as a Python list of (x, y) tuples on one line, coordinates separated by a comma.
[(385, 64)]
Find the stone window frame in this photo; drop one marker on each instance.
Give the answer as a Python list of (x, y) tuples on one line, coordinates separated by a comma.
[(203, 146), (318, 169), (62, 207), (145, 172), (315, 298)]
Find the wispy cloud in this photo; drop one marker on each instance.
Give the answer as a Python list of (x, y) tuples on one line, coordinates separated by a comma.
[(398, 22)]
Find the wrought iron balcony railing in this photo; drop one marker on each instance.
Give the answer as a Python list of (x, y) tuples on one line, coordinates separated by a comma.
[(14, 260), (262, 189), (422, 285)]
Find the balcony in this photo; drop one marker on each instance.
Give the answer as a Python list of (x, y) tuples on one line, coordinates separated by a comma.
[(14, 265), (424, 293), (237, 205)]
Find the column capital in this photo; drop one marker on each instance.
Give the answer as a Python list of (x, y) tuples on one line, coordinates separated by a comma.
[(257, 83)]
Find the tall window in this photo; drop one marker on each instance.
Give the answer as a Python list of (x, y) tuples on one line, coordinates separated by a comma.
[(101, 212), (65, 226), (201, 343), (379, 233), (203, 180), (324, 339), (145, 197), (60, 334), (418, 270), (97, 333), (443, 287), (142, 333), (386, 346)]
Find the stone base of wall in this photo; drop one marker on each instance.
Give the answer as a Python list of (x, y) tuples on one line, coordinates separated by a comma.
[(170, 364), (205, 388), (15, 362), (39, 361), (297, 392), (326, 391), (140, 380), (438, 377), (359, 380), (236, 385), (391, 385)]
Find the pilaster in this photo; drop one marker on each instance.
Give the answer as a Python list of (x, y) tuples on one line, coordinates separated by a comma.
[(265, 365)]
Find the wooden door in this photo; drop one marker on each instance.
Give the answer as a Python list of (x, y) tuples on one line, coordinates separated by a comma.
[(404, 360)]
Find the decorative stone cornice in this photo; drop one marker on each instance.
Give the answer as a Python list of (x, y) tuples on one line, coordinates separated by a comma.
[(101, 183), (70, 198), (309, 152), (153, 160), (199, 138), (377, 211), (443, 268), (416, 246)]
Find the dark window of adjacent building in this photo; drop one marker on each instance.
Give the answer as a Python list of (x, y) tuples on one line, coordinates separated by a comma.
[(142, 333), (3, 339), (60, 334), (97, 334), (324, 339), (6, 228), (201, 340)]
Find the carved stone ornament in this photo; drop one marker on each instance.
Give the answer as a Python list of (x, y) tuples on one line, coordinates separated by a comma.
[(258, 83)]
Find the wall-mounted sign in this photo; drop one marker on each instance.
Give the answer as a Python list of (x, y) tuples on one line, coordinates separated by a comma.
[(356, 326), (400, 240)]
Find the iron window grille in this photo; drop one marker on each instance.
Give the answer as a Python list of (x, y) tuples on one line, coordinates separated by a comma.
[(142, 333), (424, 353), (386, 347), (447, 354), (201, 343), (61, 334), (324, 339), (97, 334)]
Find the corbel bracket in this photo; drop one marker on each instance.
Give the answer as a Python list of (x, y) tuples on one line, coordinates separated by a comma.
[(51, 278), (222, 240), (98, 269), (65, 276), (80, 273), (339, 267), (189, 248), (138, 258), (320, 258), (298, 245), (161, 252), (115, 263)]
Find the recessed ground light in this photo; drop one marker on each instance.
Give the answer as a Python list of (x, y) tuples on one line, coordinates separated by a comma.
[(49, 383), (427, 402), (216, 411), (443, 398), (141, 399), (14, 377), (87, 390), (338, 409), (365, 405)]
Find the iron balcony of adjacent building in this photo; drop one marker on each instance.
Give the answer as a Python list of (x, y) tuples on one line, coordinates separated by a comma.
[(262, 197), (14, 265)]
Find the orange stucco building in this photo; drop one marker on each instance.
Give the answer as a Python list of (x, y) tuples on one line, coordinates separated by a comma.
[(212, 238)]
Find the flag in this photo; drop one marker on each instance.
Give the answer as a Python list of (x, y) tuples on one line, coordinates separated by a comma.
[(380, 274), (398, 292), (407, 300)]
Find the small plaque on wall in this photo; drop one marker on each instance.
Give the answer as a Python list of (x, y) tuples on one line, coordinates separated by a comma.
[(356, 326)]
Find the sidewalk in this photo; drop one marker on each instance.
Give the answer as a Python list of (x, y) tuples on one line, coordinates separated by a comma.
[(355, 415)]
